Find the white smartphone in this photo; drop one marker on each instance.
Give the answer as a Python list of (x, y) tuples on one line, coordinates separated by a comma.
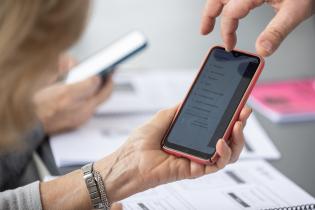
[(103, 62)]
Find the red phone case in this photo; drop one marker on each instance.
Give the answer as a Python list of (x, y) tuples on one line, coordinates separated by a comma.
[(235, 117)]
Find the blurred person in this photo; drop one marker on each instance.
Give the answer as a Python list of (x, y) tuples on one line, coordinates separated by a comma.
[(59, 107)]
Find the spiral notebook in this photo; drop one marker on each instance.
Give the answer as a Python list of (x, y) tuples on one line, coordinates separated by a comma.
[(247, 184), (299, 207)]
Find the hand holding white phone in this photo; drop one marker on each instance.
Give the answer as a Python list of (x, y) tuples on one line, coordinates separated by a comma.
[(103, 62)]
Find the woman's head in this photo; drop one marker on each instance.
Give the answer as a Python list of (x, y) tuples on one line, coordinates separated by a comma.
[(33, 33)]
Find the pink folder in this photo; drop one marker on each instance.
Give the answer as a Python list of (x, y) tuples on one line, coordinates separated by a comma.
[(285, 101)]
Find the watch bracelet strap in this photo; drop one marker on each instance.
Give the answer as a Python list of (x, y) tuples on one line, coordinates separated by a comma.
[(93, 187), (102, 189)]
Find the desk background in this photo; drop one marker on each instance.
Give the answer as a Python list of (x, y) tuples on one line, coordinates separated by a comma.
[(172, 28)]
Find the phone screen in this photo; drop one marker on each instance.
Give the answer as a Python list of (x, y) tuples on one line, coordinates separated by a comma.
[(212, 102)]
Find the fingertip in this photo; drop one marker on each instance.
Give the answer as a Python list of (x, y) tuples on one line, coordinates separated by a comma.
[(227, 49), (265, 45), (203, 30), (164, 117), (277, 30), (222, 147), (237, 136), (224, 153), (229, 42), (206, 26), (262, 52), (228, 33), (250, 109), (245, 113), (238, 126)]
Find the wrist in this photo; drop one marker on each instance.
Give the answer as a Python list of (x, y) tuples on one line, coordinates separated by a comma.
[(66, 192), (120, 179), (70, 191)]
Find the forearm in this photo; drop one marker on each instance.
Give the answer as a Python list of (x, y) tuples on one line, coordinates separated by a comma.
[(67, 192), (70, 192)]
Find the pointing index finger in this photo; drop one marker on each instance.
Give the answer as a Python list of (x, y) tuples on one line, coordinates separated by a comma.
[(232, 12)]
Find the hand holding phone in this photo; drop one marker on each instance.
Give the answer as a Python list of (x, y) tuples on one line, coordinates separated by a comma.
[(213, 104), (104, 62)]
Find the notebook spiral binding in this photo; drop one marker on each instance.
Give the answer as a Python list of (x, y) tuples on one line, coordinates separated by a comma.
[(299, 207)]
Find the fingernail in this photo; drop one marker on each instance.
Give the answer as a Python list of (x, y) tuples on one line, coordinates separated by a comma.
[(267, 45), (228, 49)]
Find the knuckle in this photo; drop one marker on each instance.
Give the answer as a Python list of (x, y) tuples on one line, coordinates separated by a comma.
[(276, 33)]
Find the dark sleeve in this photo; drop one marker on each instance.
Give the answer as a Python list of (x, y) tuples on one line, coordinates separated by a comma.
[(12, 164)]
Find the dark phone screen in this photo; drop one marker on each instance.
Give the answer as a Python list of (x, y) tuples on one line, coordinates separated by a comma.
[(212, 102)]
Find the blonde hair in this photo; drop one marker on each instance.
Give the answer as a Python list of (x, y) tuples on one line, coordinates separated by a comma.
[(33, 33)]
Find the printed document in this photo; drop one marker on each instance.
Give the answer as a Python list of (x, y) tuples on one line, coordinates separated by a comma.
[(251, 184)]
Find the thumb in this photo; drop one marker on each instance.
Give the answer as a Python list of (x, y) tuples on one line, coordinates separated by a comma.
[(86, 88), (286, 19), (163, 118), (66, 62)]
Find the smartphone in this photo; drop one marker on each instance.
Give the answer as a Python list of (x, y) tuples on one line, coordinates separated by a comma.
[(103, 62), (213, 104)]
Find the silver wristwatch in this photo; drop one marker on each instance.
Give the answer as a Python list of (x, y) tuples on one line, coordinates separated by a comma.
[(93, 187)]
